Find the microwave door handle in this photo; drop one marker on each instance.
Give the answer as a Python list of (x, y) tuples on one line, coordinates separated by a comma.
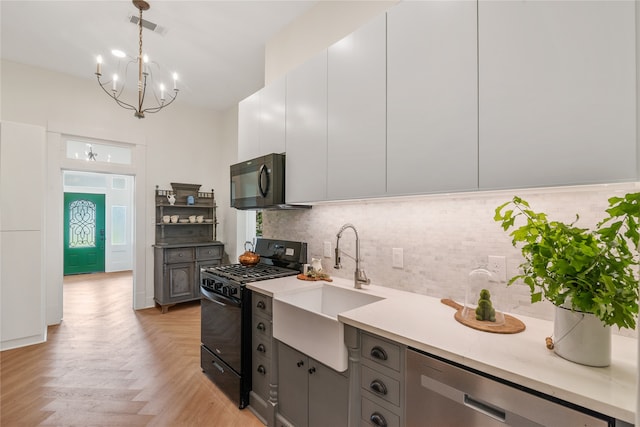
[(263, 172)]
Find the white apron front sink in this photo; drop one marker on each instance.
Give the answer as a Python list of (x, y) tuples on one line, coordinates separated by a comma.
[(307, 320)]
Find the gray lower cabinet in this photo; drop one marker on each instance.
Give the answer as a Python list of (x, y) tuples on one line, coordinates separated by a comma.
[(382, 377), (309, 393), (262, 359), (177, 271)]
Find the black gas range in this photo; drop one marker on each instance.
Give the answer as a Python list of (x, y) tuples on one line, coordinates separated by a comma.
[(226, 313)]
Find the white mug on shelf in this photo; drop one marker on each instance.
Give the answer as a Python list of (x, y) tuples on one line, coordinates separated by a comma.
[(174, 218), (166, 218), (192, 218), (200, 218)]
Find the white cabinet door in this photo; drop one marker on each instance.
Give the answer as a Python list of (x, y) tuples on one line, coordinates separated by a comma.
[(557, 92), (249, 127), (272, 117), (22, 189), (357, 113), (306, 131), (432, 105)]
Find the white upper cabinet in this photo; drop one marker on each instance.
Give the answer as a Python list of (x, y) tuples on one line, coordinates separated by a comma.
[(557, 93), (432, 104), (357, 113), (272, 117), (306, 131), (249, 127), (261, 122)]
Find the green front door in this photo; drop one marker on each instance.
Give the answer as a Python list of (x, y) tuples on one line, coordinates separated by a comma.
[(83, 233)]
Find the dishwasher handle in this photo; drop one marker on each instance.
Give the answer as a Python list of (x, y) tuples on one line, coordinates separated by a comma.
[(483, 407)]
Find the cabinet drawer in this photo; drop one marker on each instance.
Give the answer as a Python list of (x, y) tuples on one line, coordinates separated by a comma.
[(178, 255), (371, 412), (261, 344), (261, 329), (381, 385), (260, 376), (208, 252), (262, 304), (381, 351)]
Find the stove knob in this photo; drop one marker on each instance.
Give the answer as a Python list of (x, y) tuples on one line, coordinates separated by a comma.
[(225, 290), (218, 286), (233, 291)]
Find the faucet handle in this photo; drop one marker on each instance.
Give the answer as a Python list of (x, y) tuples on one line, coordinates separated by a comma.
[(337, 265)]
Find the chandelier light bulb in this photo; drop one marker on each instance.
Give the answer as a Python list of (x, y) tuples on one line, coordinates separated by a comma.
[(99, 65), (145, 58), (118, 53), (115, 82), (161, 92), (175, 81)]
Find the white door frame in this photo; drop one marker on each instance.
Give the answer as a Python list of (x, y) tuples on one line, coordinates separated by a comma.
[(57, 161)]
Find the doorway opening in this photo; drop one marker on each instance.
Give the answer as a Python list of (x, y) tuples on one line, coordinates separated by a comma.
[(98, 222)]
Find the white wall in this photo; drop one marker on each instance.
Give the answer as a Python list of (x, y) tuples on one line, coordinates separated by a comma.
[(178, 144)]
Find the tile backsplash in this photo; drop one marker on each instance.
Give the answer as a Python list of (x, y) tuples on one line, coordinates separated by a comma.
[(443, 238)]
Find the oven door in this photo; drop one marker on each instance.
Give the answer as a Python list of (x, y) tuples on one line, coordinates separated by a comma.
[(221, 328)]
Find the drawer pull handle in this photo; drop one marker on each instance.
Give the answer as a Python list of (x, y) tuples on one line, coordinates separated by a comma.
[(261, 305), (379, 387), (378, 353), (312, 370), (262, 370), (378, 420), (180, 255), (261, 348), (261, 327), (300, 363)]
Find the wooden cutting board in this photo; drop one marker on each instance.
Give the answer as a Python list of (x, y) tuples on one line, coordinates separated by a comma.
[(511, 325), (313, 279)]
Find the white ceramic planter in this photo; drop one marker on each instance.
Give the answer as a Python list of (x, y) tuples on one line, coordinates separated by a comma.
[(581, 338)]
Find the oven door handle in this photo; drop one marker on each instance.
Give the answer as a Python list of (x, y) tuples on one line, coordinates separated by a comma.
[(219, 299)]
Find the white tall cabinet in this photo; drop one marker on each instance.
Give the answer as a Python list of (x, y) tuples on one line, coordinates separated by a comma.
[(432, 98), (22, 293), (306, 131), (356, 162), (558, 92), (261, 122)]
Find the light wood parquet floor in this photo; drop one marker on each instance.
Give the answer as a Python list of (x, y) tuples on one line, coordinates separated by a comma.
[(108, 365)]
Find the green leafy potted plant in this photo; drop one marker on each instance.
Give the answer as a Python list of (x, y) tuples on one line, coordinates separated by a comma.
[(577, 269)]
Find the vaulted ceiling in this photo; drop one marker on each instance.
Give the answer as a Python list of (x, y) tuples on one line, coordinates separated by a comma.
[(216, 47)]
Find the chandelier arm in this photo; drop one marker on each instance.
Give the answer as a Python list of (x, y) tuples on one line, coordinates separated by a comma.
[(115, 98), (160, 107)]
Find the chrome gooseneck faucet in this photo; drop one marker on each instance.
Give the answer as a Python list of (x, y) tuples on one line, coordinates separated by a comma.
[(359, 277)]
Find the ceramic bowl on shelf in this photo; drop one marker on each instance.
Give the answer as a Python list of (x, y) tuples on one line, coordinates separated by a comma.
[(183, 221), (208, 220)]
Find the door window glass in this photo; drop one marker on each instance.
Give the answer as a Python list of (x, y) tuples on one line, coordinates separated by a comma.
[(82, 224)]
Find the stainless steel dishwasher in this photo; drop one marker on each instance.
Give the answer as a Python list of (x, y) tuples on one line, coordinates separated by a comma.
[(442, 394)]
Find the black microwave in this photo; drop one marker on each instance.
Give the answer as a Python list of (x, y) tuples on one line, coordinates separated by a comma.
[(259, 183)]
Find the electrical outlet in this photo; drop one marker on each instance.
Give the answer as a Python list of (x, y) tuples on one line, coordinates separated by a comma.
[(498, 267), (326, 251), (397, 258)]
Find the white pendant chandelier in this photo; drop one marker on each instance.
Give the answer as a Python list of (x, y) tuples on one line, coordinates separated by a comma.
[(115, 89)]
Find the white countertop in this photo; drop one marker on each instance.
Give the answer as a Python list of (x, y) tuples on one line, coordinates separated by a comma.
[(426, 324)]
